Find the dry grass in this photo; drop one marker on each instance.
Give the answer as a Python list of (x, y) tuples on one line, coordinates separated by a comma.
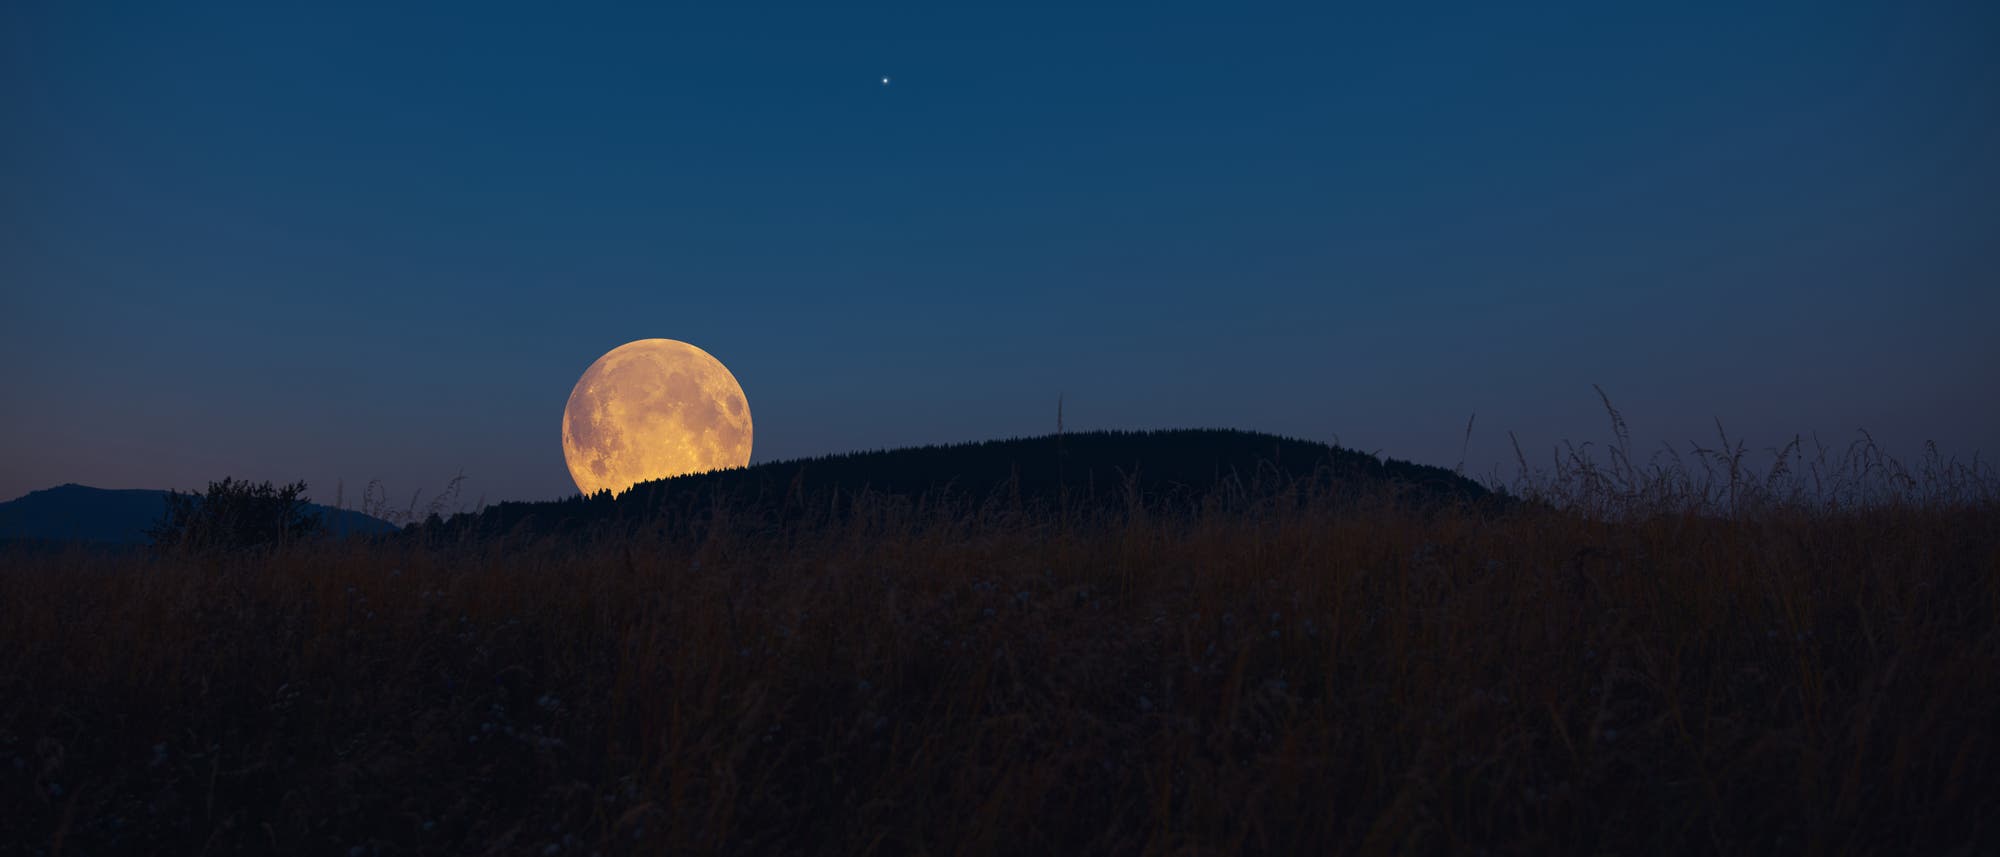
[(1674, 663)]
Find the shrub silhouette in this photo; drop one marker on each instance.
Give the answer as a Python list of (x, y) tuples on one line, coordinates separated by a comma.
[(236, 514)]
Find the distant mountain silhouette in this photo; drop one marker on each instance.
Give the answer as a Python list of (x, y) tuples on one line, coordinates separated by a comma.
[(79, 513), (1104, 470)]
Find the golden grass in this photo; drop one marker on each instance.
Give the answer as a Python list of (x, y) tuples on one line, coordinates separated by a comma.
[(1664, 665)]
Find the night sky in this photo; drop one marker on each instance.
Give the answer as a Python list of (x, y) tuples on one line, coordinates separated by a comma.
[(346, 242)]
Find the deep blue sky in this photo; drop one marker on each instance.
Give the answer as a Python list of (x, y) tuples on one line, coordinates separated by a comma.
[(352, 241)]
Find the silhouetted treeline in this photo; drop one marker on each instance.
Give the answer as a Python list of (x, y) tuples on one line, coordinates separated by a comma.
[(1091, 475)]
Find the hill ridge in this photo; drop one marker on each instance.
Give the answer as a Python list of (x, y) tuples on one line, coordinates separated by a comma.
[(73, 512), (1100, 466)]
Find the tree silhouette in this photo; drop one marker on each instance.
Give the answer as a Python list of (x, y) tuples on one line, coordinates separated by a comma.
[(236, 514)]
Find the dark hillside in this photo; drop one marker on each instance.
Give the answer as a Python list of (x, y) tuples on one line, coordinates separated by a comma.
[(1105, 471), (82, 514)]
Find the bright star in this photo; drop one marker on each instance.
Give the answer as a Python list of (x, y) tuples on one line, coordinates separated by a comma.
[(885, 81)]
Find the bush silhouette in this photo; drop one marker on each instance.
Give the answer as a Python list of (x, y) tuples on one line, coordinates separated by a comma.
[(236, 514)]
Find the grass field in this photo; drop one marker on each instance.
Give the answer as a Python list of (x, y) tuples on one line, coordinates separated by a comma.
[(1664, 658)]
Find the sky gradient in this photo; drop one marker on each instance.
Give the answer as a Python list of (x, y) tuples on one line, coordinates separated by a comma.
[(346, 242)]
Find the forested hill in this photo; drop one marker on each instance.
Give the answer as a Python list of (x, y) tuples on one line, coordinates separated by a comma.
[(1104, 469)]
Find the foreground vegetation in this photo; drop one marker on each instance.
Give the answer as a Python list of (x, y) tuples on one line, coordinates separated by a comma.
[(1659, 658)]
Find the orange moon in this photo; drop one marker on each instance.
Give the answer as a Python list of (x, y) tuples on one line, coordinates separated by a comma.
[(653, 409)]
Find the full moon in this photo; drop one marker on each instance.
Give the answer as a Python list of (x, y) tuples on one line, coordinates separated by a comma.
[(652, 409)]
